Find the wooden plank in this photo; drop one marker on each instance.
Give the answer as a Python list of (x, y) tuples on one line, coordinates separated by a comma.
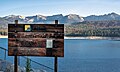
[(34, 42), (35, 28), (15, 27), (27, 42), (36, 35), (58, 43), (25, 51), (58, 52), (48, 30), (47, 26), (53, 52)]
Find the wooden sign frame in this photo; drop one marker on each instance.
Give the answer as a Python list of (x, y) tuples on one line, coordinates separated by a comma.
[(36, 40), (14, 35)]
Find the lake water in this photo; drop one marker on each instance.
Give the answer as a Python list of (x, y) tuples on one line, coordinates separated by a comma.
[(81, 56)]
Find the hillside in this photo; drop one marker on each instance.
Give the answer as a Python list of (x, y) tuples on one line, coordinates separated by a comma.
[(94, 28), (110, 16)]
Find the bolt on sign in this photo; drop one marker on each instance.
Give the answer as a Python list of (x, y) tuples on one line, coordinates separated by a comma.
[(36, 40)]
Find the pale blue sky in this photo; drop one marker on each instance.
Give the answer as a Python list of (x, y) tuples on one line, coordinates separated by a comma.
[(52, 7)]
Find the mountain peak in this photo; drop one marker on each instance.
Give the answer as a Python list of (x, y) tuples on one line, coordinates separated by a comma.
[(73, 16), (9, 16), (109, 16), (15, 16), (113, 13), (40, 16), (58, 15)]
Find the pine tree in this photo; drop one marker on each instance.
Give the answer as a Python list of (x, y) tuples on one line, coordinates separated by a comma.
[(28, 65)]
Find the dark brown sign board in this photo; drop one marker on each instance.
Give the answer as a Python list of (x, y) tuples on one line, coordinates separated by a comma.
[(36, 40)]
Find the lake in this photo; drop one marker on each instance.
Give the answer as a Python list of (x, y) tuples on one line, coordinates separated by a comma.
[(81, 56)]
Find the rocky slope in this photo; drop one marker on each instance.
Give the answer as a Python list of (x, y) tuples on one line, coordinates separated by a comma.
[(6, 66)]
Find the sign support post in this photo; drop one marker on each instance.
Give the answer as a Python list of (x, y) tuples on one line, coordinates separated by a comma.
[(56, 64), (16, 64), (15, 57), (55, 60)]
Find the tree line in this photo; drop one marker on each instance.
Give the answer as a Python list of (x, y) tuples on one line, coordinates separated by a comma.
[(94, 28)]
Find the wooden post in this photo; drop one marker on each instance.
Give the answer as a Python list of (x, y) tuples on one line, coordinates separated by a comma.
[(15, 57), (55, 60), (16, 21), (15, 64), (56, 65)]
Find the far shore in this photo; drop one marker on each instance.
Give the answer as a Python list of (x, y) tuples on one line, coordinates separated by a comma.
[(3, 36), (88, 37), (93, 38)]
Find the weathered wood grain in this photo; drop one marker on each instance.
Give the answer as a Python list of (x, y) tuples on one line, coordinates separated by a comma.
[(25, 51), (31, 40), (36, 35)]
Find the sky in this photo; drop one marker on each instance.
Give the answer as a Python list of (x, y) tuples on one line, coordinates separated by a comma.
[(53, 7)]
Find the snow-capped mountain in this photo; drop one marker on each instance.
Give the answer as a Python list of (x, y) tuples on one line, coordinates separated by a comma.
[(12, 18), (71, 18), (37, 18), (67, 19)]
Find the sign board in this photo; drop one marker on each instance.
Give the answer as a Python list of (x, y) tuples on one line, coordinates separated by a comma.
[(36, 40)]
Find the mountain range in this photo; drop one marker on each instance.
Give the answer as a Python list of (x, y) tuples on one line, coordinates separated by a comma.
[(67, 19)]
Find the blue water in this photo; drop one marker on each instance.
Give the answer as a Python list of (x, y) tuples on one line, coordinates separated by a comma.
[(3, 42), (82, 56)]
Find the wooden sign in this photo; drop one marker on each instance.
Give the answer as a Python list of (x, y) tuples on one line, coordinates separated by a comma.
[(36, 40)]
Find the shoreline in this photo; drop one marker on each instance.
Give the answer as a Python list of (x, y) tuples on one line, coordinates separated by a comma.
[(3, 36), (94, 38), (84, 38)]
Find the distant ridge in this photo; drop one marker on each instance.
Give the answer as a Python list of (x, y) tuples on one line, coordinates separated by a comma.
[(71, 18), (110, 16), (67, 19)]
